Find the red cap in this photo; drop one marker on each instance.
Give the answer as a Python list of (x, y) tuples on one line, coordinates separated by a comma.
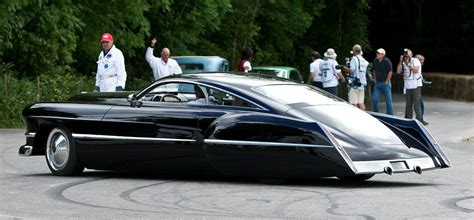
[(106, 37)]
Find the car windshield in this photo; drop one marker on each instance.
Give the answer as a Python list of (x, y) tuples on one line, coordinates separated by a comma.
[(297, 94), (269, 72)]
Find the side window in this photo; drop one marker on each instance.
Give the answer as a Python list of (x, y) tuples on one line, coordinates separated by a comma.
[(172, 92), (218, 97), (224, 66)]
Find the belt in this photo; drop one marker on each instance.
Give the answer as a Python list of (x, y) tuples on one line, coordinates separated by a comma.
[(107, 76)]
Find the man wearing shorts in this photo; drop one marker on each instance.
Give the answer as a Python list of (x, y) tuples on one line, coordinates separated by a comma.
[(357, 80)]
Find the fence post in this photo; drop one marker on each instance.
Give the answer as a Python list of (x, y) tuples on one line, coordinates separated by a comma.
[(38, 95)]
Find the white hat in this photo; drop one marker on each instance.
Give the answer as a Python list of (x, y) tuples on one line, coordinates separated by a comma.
[(330, 53), (381, 51)]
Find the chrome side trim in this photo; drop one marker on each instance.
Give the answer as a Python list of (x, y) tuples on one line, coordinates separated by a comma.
[(30, 134), (68, 118), (114, 137), (25, 150), (339, 148), (262, 143), (434, 142), (378, 166)]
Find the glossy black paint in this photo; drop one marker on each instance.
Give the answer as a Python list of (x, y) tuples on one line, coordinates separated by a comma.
[(177, 137)]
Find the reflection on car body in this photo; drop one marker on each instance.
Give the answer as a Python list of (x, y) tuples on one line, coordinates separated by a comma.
[(285, 72)]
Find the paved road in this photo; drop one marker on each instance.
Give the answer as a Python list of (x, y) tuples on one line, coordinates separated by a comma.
[(28, 190)]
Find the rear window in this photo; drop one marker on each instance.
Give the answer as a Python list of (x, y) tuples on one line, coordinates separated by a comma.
[(297, 94)]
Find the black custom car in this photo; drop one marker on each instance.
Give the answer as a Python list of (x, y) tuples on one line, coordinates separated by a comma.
[(227, 124)]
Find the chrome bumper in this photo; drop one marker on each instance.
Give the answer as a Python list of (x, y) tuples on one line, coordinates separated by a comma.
[(416, 165), (27, 149)]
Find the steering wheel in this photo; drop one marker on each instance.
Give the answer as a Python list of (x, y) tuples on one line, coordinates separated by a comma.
[(170, 95)]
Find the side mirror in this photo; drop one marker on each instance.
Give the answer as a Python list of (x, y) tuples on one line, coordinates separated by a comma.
[(132, 98)]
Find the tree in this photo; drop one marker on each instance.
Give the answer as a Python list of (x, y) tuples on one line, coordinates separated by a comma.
[(39, 36), (125, 20)]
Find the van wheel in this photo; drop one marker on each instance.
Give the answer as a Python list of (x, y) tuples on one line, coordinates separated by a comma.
[(61, 155)]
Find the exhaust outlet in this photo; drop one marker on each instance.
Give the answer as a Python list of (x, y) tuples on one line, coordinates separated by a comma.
[(417, 169), (388, 170)]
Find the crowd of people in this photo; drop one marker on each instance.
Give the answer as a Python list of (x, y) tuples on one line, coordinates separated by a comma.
[(325, 73)]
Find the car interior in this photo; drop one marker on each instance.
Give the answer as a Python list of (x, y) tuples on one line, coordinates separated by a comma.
[(189, 93)]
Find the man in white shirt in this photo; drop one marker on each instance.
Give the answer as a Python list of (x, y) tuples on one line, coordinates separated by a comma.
[(161, 66), (411, 69), (111, 75), (315, 77), (357, 79), (330, 74)]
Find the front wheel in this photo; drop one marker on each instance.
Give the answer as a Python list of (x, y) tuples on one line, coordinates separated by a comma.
[(356, 178), (61, 155)]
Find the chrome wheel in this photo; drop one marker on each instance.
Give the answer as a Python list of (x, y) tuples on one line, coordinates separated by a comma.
[(58, 149)]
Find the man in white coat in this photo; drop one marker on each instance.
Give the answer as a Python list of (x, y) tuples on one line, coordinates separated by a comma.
[(161, 66), (111, 75)]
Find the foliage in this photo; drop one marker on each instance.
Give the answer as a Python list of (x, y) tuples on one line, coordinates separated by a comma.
[(125, 20), (17, 93), (39, 36), (63, 35), (57, 41)]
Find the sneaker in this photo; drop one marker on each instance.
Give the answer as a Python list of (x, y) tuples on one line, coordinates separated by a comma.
[(424, 123)]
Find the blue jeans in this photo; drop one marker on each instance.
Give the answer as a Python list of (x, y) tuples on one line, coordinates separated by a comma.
[(386, 89), (422, 107)]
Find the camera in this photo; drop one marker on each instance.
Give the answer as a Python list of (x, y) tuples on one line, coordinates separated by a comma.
[(405, 55), (348, 60), (353, 81)]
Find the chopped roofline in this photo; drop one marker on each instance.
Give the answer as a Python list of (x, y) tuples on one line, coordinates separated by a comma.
[(241, 80)]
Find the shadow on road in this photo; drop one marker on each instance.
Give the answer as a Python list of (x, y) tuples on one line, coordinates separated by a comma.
[(317, 182)]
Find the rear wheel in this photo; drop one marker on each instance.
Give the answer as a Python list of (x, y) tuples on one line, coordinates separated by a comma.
[(61, 155), (356, 178)]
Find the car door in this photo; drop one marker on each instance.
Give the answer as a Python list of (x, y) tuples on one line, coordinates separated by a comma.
[(159, 134)]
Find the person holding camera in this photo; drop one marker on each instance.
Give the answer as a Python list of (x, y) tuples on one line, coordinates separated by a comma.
[(330, 74), (356, 79), (315, 77), (382, 73), (410, 67)]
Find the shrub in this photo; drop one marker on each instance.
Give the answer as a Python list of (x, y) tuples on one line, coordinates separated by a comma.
[(17, 92)]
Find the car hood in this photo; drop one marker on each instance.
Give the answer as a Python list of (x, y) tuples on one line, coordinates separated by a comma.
[(361, 135), (102, 97)]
